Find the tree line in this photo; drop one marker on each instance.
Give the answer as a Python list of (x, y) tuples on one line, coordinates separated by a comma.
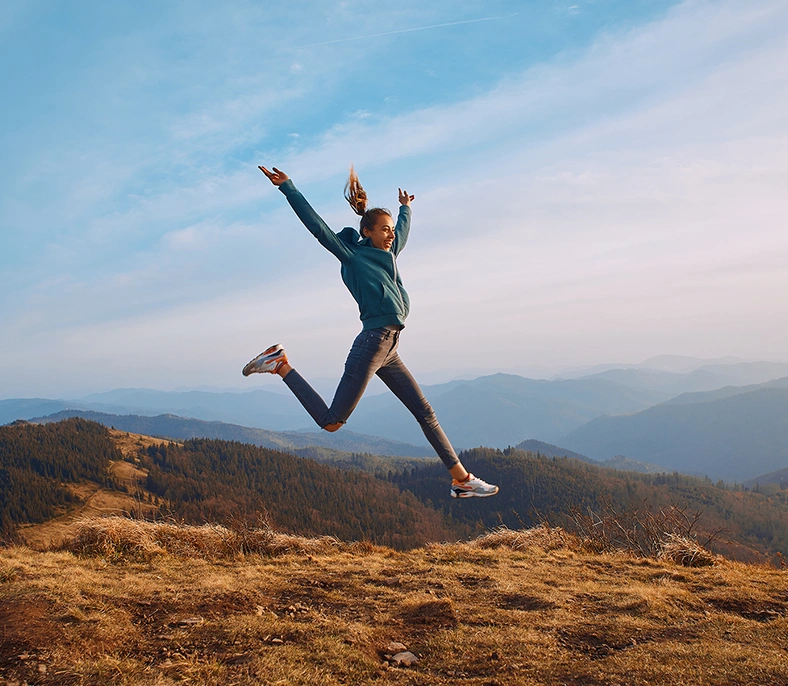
[(37, 461)]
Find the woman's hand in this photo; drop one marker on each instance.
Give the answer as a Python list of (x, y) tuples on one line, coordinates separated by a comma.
[(404, 198), (277, 176)]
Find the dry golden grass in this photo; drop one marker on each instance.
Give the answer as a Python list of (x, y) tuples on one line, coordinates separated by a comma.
[(121, 537), (130, 444), (145, 603)]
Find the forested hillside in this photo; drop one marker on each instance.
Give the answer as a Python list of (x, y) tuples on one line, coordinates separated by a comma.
[(230, 482), (533, 488), (210, 480), (35, 462)]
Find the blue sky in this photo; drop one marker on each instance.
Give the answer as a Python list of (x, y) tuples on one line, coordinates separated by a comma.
[(595, 181)]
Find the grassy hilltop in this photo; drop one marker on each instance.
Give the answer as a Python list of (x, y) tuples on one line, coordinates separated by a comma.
[(89, 597), (132, 602)]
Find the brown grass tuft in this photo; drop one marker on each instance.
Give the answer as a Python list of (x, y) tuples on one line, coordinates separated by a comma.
[(544, 537), (119, 537), (687, 552)]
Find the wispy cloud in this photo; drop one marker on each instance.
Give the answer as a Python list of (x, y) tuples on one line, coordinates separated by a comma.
[(410, 30)]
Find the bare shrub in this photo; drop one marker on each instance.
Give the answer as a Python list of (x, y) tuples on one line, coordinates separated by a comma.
[(119, 537), (640, 531)]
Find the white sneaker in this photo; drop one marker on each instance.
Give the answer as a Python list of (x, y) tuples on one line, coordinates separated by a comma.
[(472, 488), (269, 361)]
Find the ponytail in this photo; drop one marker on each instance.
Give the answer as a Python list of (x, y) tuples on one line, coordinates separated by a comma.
[(357, 199), (355, 193)]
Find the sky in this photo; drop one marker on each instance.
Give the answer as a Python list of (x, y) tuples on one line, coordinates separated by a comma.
[(596, 181)]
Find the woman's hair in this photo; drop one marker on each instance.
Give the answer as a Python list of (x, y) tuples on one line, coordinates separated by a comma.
[(357, 197)]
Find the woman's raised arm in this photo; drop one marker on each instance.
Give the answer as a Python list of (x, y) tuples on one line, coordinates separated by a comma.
[(311, 219)]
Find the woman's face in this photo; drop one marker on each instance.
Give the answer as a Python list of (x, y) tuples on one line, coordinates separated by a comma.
[(382, 235)]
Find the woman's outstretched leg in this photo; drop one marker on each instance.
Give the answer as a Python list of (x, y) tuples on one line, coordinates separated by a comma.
[(401, 382)]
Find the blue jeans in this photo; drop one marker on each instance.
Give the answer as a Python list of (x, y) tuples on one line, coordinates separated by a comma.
[(374, 352)]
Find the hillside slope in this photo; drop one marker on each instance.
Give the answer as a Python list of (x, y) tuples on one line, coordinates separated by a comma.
[(205, 480), (528, 608), (534, 488)]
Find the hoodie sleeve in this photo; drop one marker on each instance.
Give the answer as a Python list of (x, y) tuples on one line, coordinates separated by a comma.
[(312, 220), (401, 230)]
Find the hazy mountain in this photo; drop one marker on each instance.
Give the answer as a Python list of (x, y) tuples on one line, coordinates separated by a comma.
[(619, 462), (706, 378), (258, 408), (550, 450), (733, 438), (684, 364), (27, 408), (678, 364), (500, 410), (171, 426), (726, 392), (780, 478), (497, 410)]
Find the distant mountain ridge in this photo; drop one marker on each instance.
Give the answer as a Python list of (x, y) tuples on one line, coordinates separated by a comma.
[(172, 426), (735, 437), (619, 462)]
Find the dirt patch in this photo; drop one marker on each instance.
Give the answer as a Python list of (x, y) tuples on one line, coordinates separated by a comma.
[(749, 608), (519, 601), (27, 631), (472, 581), (597, 640), (433, 614)]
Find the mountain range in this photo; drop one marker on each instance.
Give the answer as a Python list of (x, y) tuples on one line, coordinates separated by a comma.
[(669, 412)]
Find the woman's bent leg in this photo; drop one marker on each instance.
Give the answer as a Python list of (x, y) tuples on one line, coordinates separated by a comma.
[(368, 352), (401, 382), (308, 397)]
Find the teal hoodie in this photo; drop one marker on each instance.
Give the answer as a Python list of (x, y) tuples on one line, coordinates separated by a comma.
[(370, 273)]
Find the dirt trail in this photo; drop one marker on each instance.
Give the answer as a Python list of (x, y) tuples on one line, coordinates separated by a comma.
[(98, 501)]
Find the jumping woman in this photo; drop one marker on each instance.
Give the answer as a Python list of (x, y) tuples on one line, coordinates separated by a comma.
[(369, 270)]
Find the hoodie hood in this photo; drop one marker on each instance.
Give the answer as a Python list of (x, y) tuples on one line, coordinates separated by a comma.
[(352, 237)]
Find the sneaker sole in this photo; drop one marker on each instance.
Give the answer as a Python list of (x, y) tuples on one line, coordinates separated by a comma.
[(472, 494)]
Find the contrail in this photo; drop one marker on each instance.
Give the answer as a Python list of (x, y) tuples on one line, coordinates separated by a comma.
[(418, 28)]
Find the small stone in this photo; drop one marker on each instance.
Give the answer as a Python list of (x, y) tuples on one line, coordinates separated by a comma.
[(42, 668), (395, 647), (404, 659), (191, 621), (277, 641)]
